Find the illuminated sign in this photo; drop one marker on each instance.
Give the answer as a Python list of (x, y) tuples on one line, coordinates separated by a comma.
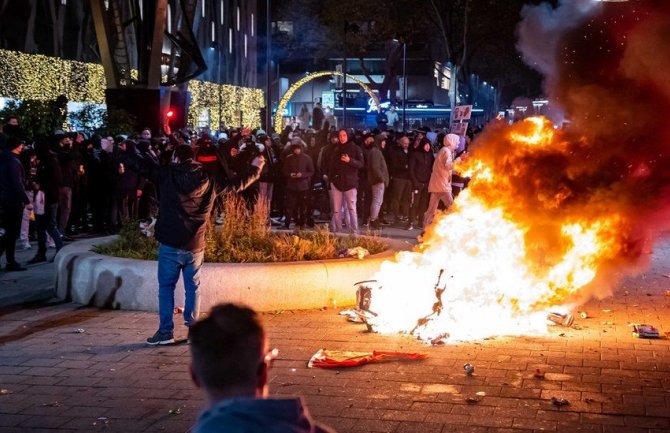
[(372, 105)]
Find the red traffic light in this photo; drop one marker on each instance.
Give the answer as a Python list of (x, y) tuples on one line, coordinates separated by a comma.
[(169, 114)]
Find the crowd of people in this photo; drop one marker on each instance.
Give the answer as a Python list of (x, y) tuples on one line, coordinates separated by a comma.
[(56, 187)]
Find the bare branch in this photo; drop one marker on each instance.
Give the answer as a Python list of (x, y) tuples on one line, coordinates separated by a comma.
[(442, 29)]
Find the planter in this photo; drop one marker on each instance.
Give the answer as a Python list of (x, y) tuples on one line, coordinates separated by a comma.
[(103, 281)]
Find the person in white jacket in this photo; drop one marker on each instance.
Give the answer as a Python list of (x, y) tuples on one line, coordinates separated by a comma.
[(439, 185)]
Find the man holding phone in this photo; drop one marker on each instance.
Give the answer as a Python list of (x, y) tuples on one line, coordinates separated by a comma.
[(346, 161)]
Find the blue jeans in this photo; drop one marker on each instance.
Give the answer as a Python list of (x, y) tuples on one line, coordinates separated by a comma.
[(172, 262), (348, 200)]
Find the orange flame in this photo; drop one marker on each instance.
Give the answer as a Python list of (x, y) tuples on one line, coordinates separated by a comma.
[(509, 254)]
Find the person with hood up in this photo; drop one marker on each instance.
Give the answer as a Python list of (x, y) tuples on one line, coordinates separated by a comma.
[(230, 362), (298, 170), (378, 178), (420, 168), (186, 198), (345, 162), (439, 185)]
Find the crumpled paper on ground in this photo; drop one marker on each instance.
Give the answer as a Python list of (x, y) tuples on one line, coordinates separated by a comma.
[(356, 252), (341, 358)]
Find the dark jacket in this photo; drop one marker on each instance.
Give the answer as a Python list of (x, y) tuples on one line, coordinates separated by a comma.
[(420, 167), (377, 169), (301, 163), (68, 165), (250, 415), (341, 174), (50, 176), (12, 181), (186, 199), (399, 163)]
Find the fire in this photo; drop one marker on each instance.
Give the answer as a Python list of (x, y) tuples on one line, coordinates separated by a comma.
[(505, 254)]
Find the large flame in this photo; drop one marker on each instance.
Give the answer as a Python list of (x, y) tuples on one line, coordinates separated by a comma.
[(551, 216), (499, 278)]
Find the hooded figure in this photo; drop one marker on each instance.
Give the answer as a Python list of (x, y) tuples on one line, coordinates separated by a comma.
[(439, 185)]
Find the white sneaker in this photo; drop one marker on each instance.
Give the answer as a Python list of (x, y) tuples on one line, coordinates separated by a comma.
[(25, 246), (51, 246)]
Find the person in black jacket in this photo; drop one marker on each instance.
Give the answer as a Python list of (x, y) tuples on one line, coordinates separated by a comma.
[(186, 198), (13, 197), (345, 162), (49, 177), (298, 170), (420, 168), (401, 184)]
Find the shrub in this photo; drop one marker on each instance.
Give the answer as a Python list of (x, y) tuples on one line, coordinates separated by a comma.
[(245, 237)]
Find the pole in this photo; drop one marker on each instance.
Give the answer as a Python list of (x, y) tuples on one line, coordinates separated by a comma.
[(218, 81), (344, 81), (268, 69), (404, 87)]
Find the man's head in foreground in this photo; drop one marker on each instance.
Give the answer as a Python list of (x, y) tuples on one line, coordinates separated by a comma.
[(229, 355)]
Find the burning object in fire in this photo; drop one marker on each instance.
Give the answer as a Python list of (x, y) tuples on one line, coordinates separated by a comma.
[(645, 331)]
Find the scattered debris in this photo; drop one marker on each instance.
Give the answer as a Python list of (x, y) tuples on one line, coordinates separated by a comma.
[(561, 319), (472, 400), (607, 311), (175, 411), (562, 334), (79, 331), (577, 326), (178, 310), (4, 391), (645, 331), (469, 369), (356, 252), (480, 394), (559, 402), (337, 358), (583, 314), (440, 339), (52, 404), (589, 400), (539, 374)]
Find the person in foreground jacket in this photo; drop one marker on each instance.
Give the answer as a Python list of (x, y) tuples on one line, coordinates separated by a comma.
[(186, 199), (230, 362)]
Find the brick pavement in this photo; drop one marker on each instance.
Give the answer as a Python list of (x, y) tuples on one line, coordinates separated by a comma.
[(105, 380)]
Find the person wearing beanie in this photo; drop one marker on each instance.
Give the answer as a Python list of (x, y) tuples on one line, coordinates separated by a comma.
[(439, 185), (298, 170), (13, 198)]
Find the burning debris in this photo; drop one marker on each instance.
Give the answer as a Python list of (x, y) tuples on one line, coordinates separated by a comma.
[(552, 216)]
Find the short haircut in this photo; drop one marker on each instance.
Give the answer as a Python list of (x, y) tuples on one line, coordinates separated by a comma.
[(183, 152), (227, 347)]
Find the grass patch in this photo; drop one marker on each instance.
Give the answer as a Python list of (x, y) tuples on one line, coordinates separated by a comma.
[(246, 237)]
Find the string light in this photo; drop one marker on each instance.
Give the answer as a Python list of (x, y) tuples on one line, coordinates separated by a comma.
[(37, 77), (239, 105), (279, 115)]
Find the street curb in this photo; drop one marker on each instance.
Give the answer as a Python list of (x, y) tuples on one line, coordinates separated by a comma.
[(92, 279)]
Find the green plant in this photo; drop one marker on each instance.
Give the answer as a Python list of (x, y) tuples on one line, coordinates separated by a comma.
[(89, 118), (245, 237), (130, 244), (36, 118)]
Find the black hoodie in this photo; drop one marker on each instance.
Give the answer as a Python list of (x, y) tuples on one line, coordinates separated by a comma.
[(186, 199)]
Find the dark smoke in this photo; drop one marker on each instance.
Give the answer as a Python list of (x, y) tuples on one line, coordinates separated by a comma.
[(608, 67)]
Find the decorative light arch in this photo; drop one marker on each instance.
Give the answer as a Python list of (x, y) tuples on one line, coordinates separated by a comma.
[(279, 115)]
